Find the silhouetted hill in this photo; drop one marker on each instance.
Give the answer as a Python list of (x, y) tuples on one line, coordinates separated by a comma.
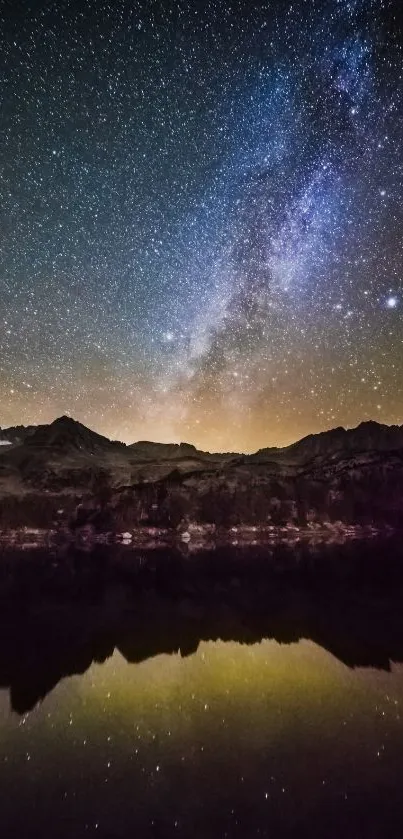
[(66, 434), (368, 436), (146, 450), (351, 476), (17, 433)]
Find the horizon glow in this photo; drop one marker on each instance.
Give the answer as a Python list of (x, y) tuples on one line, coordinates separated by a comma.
[(202, 219)]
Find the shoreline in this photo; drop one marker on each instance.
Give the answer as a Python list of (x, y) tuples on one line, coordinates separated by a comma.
[(194, 536)]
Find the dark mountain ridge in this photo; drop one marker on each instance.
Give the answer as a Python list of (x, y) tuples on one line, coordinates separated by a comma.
[(66, 433), (17, 433), (66, 430), (149, 451), (65, 471), (367, 436)]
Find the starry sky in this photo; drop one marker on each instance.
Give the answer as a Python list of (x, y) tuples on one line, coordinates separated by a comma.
[(202, 217)]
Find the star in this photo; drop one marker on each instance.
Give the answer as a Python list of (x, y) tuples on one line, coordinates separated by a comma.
[(201, 218)]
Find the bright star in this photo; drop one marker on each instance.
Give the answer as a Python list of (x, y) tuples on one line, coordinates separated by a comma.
[(392, 302)]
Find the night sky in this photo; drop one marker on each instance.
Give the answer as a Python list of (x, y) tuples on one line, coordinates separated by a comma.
[(202, 217)]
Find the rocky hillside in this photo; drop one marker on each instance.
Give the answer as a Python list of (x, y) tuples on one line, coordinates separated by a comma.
[(16, 434), (367, 436), (66, 473)]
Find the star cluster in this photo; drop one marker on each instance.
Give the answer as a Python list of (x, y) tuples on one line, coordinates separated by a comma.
[(202, 215)]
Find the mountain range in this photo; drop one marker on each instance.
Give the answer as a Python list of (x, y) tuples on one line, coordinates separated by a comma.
[(65, 473)]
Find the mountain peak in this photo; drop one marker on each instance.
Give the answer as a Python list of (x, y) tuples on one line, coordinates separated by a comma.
[(67, 433), (65, 418), (66, 422)]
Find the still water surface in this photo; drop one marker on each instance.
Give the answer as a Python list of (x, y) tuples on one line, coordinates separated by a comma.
[(225, 739)]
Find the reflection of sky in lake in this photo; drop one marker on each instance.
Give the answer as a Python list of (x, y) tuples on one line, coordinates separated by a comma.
[(234, 740)]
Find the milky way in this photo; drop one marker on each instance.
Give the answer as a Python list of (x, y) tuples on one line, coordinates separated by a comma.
[(202, 217)]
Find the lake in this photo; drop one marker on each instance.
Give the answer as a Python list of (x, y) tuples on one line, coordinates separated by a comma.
[(232, 693)]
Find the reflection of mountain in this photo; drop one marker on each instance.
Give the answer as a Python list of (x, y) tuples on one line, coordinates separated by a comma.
[(57, 617)]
